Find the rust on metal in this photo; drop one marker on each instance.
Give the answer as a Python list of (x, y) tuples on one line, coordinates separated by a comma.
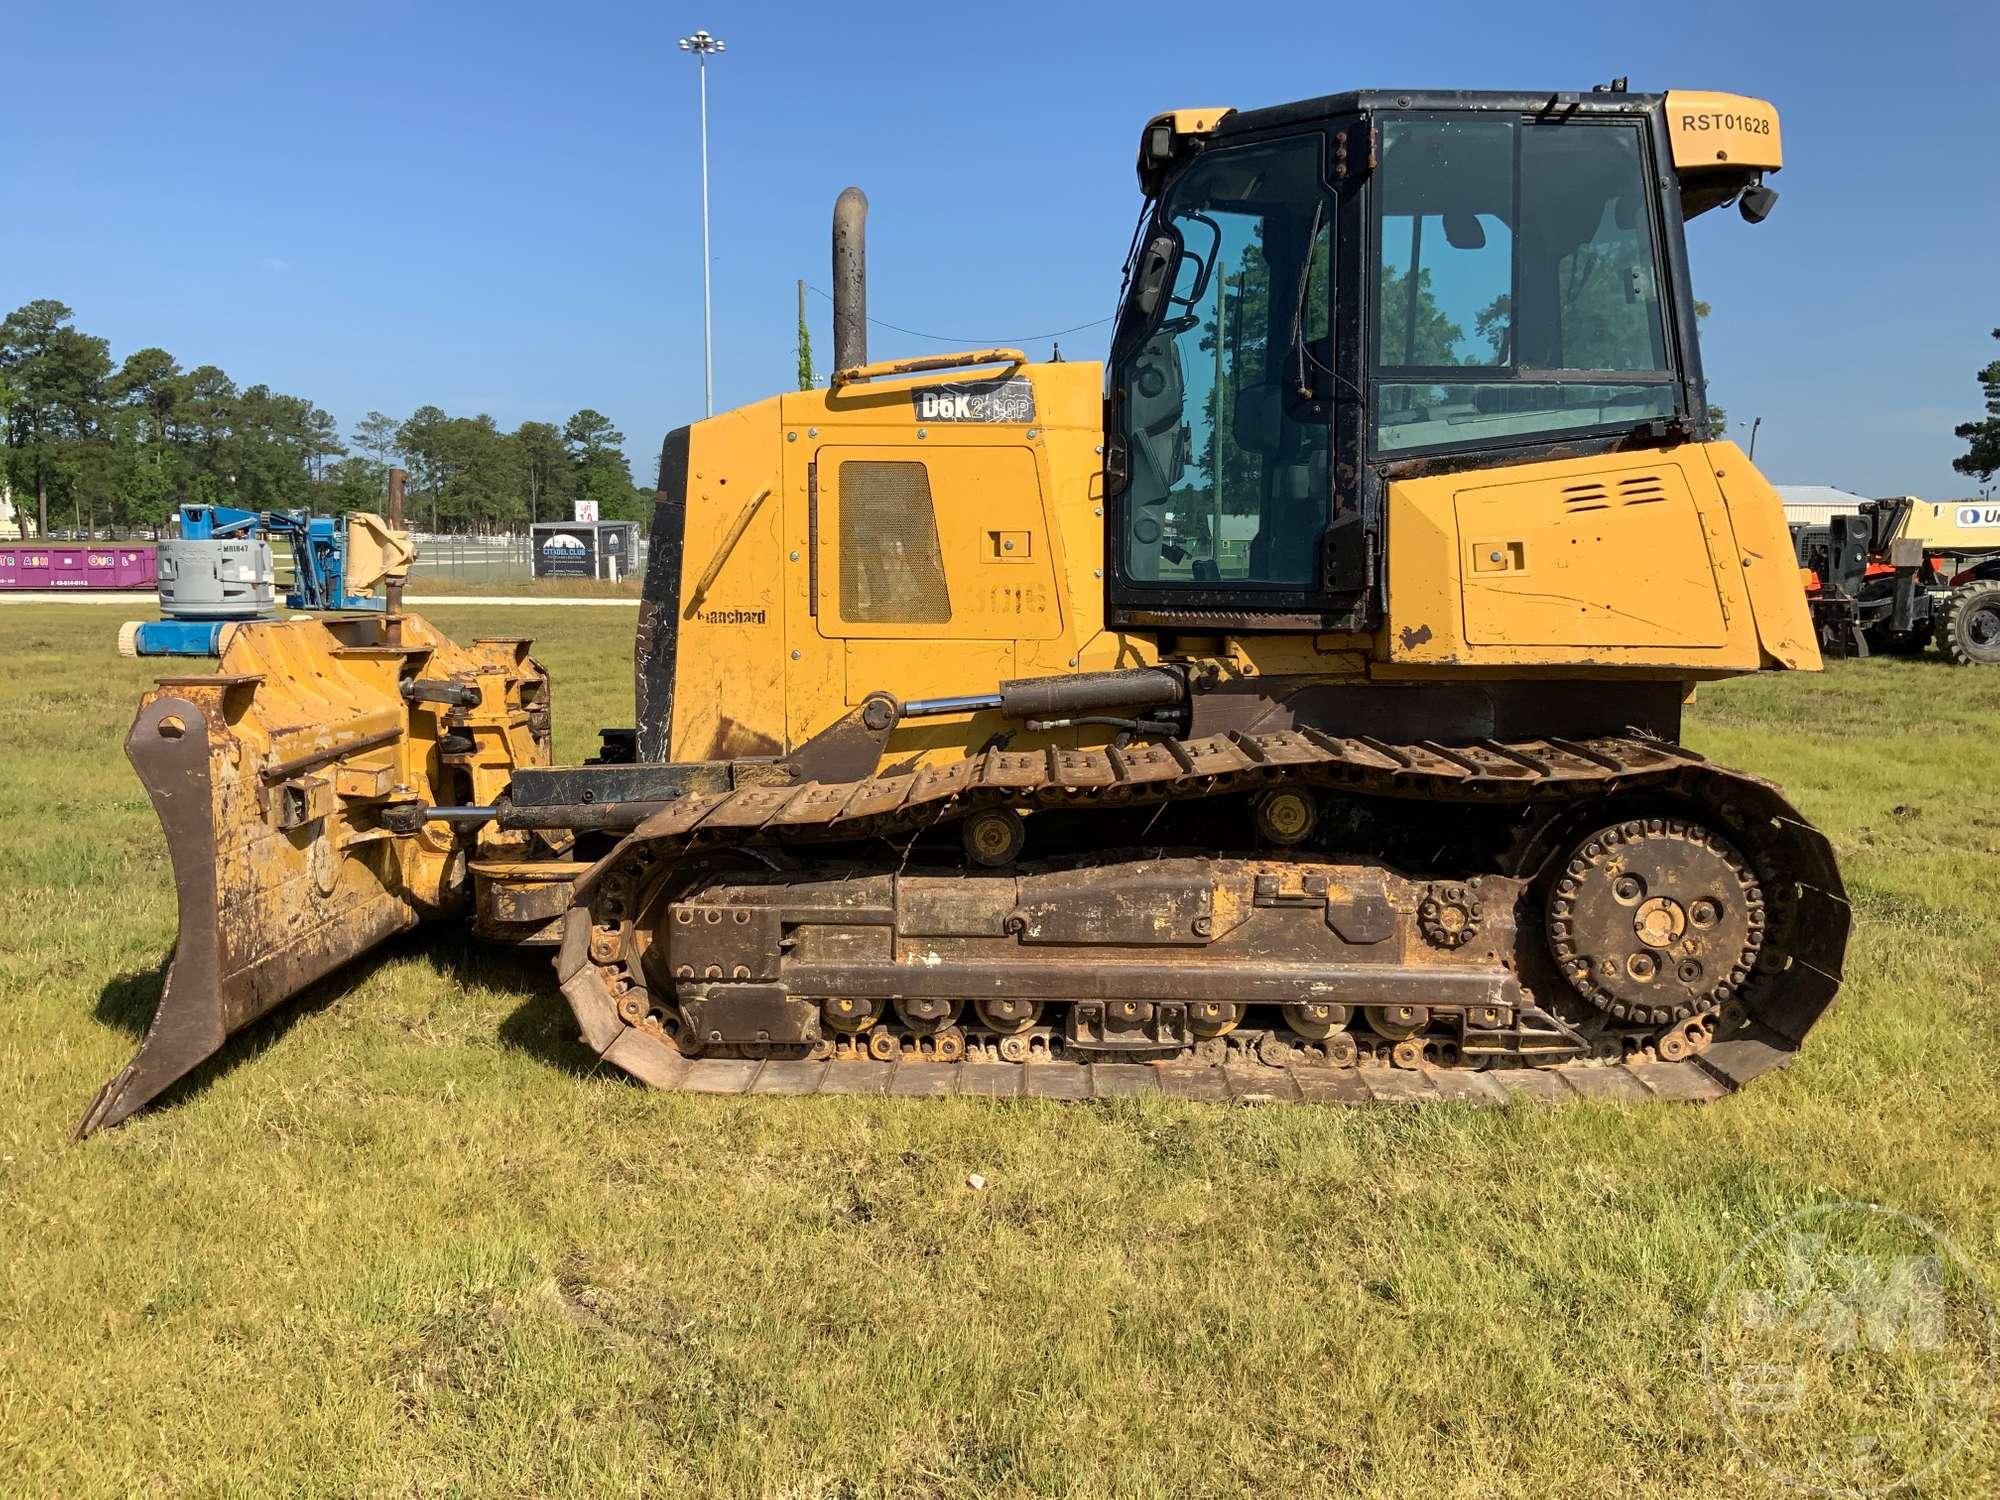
[(283, 876), (285, 769), (859, 372)]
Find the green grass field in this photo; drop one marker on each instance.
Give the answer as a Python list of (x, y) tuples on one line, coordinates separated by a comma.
[(428, 586), (403, 1240)]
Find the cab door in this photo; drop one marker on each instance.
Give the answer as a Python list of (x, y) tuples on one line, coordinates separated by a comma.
[(932, 561)]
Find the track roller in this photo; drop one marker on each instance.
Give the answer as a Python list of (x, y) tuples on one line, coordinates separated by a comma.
[(1007, 1016), (924, 1015), (851, 1016)]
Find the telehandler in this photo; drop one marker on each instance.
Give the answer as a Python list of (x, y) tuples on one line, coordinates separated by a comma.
[(1902, 573), (1288, 707)]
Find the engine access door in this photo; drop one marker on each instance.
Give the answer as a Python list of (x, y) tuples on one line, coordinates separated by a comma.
[(931, 561)]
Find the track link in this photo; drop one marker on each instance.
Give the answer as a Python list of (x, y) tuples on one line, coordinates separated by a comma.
[(1786, 942)]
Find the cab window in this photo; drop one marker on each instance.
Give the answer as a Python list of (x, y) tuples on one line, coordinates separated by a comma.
[(1516, 282), (1227, 477)]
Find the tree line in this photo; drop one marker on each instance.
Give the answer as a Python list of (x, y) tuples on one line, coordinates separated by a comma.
[(91, 443)]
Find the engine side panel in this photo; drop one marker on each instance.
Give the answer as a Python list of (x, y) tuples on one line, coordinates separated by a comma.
[(749, 643), (1668, 562), (728, 647), (1770, 568)]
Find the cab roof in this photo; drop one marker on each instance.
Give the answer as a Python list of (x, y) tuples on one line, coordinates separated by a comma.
[(1710, 135)]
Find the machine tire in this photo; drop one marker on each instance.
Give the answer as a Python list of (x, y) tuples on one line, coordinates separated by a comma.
[(1968, 631)]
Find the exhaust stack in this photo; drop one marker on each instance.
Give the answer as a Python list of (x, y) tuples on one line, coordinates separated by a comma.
[(850, 279)]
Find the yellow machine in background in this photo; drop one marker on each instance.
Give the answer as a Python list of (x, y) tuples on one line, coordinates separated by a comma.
[(1961, 528), (1291, 704), (1902, 574)]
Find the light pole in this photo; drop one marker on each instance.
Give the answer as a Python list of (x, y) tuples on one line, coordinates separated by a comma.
[(1752, 455), (701, 44)]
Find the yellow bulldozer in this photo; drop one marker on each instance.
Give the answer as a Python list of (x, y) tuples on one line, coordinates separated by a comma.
[(1287, 708)]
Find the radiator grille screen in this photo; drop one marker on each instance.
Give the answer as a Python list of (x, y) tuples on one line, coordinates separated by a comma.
[(891, 570)]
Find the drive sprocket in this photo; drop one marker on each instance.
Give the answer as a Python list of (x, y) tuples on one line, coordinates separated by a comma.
[(1656, 920)]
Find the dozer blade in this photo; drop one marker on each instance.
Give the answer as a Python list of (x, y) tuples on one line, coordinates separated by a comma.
[(291, 786)]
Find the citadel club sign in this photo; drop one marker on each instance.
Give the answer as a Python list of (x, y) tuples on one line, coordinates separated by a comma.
[(567, 554), (585, 549)]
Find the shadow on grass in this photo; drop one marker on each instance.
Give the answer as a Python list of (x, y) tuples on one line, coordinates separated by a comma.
[(127, 1001), (541, 1025)]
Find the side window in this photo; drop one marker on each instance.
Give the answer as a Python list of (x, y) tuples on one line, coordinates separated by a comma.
[(1514, 257), (891, 568), (1607, 297), (1447, 250)]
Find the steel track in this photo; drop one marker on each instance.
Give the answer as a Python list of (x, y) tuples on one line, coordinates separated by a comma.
[(1796, 976)]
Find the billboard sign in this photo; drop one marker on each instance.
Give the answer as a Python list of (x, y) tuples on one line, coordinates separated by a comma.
[(566, 552)]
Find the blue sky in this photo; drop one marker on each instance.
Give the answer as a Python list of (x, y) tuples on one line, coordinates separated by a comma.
[(494, 207)]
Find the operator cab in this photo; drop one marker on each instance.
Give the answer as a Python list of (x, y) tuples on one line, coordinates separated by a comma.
[(1329, 295)]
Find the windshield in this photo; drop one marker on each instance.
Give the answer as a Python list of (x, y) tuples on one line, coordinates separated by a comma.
[(1517, 281), (1226, 470)]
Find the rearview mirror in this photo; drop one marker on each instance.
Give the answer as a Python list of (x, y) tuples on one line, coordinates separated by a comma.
[(1463, 231), (1160, 257), (1757, 202)]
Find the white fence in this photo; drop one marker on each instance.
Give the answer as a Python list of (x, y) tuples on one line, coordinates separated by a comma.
[(494, 559)]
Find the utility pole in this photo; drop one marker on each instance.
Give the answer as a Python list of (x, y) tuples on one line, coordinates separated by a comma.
[(701, 44), (393, 604)]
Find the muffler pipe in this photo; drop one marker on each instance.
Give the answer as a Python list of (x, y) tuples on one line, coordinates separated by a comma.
[(850, 279), (1062, 697)]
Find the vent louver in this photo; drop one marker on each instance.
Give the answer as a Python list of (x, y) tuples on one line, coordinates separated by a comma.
[(1581, 497), (1641, 489), (1638, 489)]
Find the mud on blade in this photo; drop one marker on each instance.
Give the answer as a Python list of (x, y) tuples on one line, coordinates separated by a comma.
[(290, 786)]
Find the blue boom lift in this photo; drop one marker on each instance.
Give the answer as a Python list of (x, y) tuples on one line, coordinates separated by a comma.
[(224, 568)]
